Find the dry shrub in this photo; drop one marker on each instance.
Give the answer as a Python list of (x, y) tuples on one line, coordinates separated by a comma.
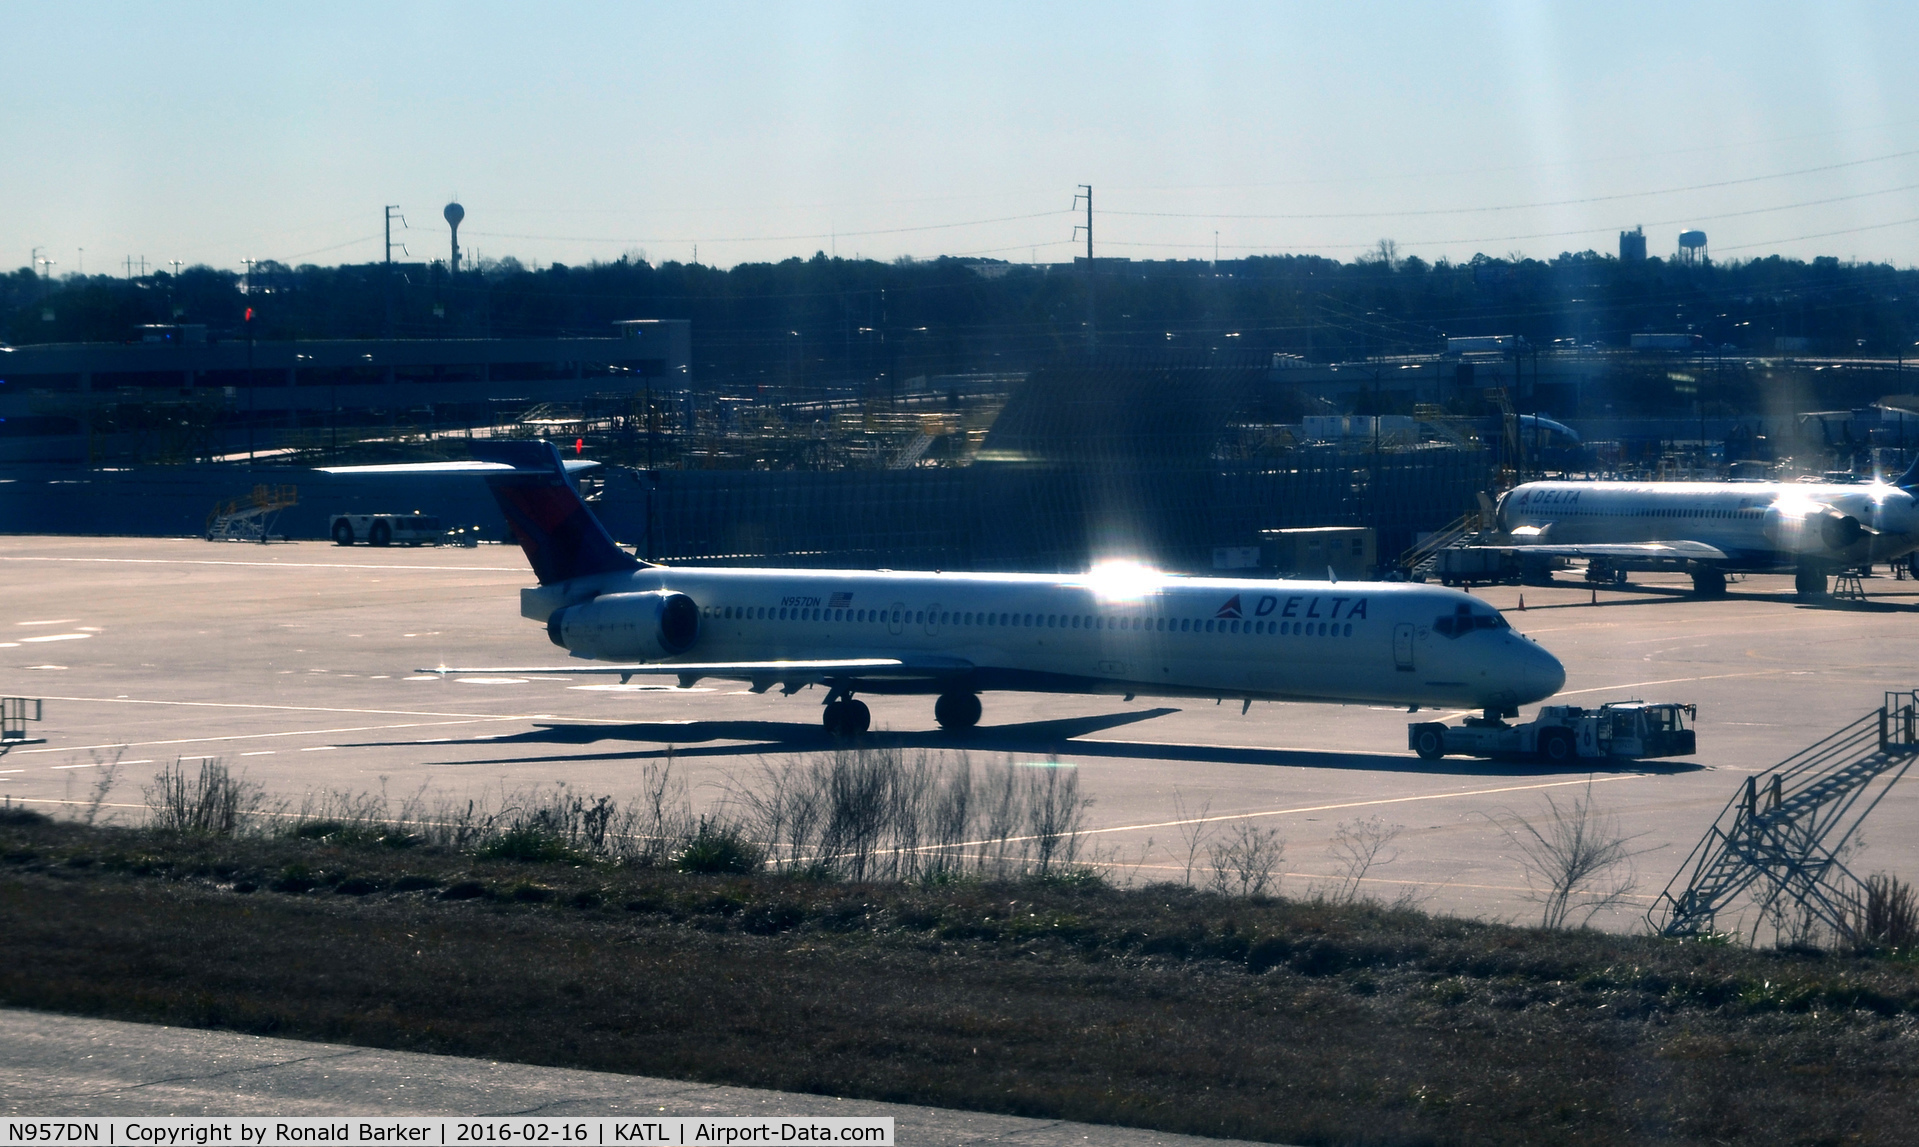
[(1359, 846), (1244, 863), (1888, 915), (1578, 862), (211, 802), (882, 815), (538, 824)]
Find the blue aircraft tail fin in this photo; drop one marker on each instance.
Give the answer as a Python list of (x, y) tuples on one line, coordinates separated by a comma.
[(1910, 478), (561, 537)]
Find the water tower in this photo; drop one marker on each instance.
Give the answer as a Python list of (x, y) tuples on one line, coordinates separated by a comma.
[(1692, 248), (454, 213)]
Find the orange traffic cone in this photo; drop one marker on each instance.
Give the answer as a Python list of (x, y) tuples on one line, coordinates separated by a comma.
[(1522, 601)]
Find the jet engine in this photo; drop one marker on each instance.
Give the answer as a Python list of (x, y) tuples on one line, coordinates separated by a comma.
[(1840, 531), (628, 626), (1815, 529)]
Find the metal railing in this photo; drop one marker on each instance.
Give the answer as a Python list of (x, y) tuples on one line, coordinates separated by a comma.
[(1782, 836)]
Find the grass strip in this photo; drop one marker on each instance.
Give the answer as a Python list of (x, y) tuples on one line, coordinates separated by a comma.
[(1160, 1007)]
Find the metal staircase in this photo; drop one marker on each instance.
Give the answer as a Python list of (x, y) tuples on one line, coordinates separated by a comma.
[(915, 450), (1779, 840), (251, 518), (1418, 562), (15, 712)]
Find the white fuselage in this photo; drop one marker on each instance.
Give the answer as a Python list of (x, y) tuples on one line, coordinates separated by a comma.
[(1760, 526), (1130, 633)]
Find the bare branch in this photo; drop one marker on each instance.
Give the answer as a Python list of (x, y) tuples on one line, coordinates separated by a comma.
[(1358, 847), (1574, 861)]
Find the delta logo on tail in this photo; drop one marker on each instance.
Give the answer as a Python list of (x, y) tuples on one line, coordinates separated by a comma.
[(1230, 609)]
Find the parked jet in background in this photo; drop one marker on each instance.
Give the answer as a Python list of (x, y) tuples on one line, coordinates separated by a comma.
[(1119, 630), (1716, 528)]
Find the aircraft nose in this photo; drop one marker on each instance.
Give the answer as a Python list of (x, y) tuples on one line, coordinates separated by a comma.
[(1540, 674)]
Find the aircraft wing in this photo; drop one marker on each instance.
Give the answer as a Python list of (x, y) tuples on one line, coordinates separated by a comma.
[(572, 465), (1669, 551), (788, 672)]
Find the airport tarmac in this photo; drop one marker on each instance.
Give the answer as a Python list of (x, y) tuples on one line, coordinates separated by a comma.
[(296, 663), (77, 1067)]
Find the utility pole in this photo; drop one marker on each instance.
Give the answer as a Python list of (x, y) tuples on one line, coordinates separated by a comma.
[(251, 389), (889, 352), (46, 285), (388, 278), (1092, 338)]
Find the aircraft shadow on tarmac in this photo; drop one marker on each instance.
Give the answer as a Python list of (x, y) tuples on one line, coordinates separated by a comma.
[(1051, 738), (1641, 595)]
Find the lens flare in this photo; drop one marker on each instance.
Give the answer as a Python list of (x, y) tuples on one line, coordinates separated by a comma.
[(1123, 580)]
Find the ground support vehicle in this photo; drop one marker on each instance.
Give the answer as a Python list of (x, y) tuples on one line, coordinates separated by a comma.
[(1618, 730), (414, 529), (1491, 565)]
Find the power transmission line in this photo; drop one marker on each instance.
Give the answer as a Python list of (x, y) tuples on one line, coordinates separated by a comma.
[(1524, 206)]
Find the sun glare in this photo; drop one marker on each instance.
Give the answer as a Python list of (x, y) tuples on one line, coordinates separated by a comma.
[(1123, 580)]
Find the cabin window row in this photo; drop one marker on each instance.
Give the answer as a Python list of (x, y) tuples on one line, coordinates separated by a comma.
[(1033, 620), (1677, 513), (1575, 511)]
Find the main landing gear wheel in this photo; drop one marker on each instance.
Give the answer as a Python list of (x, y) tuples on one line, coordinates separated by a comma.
[(1709, 583), (847, 718), (1556, 745), (1809, 581), (1429, 741), (957, 711), (343, 534)]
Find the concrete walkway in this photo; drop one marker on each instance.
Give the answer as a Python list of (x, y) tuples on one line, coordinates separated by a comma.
[(53, 1065)]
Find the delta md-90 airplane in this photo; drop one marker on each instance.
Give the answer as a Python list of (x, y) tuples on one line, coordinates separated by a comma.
[(1120, 630), (1713, 528)]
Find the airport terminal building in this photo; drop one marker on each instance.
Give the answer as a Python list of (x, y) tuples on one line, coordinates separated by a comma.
[(83, 403)]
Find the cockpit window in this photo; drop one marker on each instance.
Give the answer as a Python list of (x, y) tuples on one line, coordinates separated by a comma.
[(1464, 619)]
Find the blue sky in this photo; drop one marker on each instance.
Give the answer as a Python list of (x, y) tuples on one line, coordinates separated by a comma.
[(213, 133)]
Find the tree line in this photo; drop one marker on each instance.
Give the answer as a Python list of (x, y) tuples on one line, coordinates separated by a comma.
[(828, 322)]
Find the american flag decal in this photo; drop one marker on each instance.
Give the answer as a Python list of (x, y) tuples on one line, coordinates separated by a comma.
[(839, 601)]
